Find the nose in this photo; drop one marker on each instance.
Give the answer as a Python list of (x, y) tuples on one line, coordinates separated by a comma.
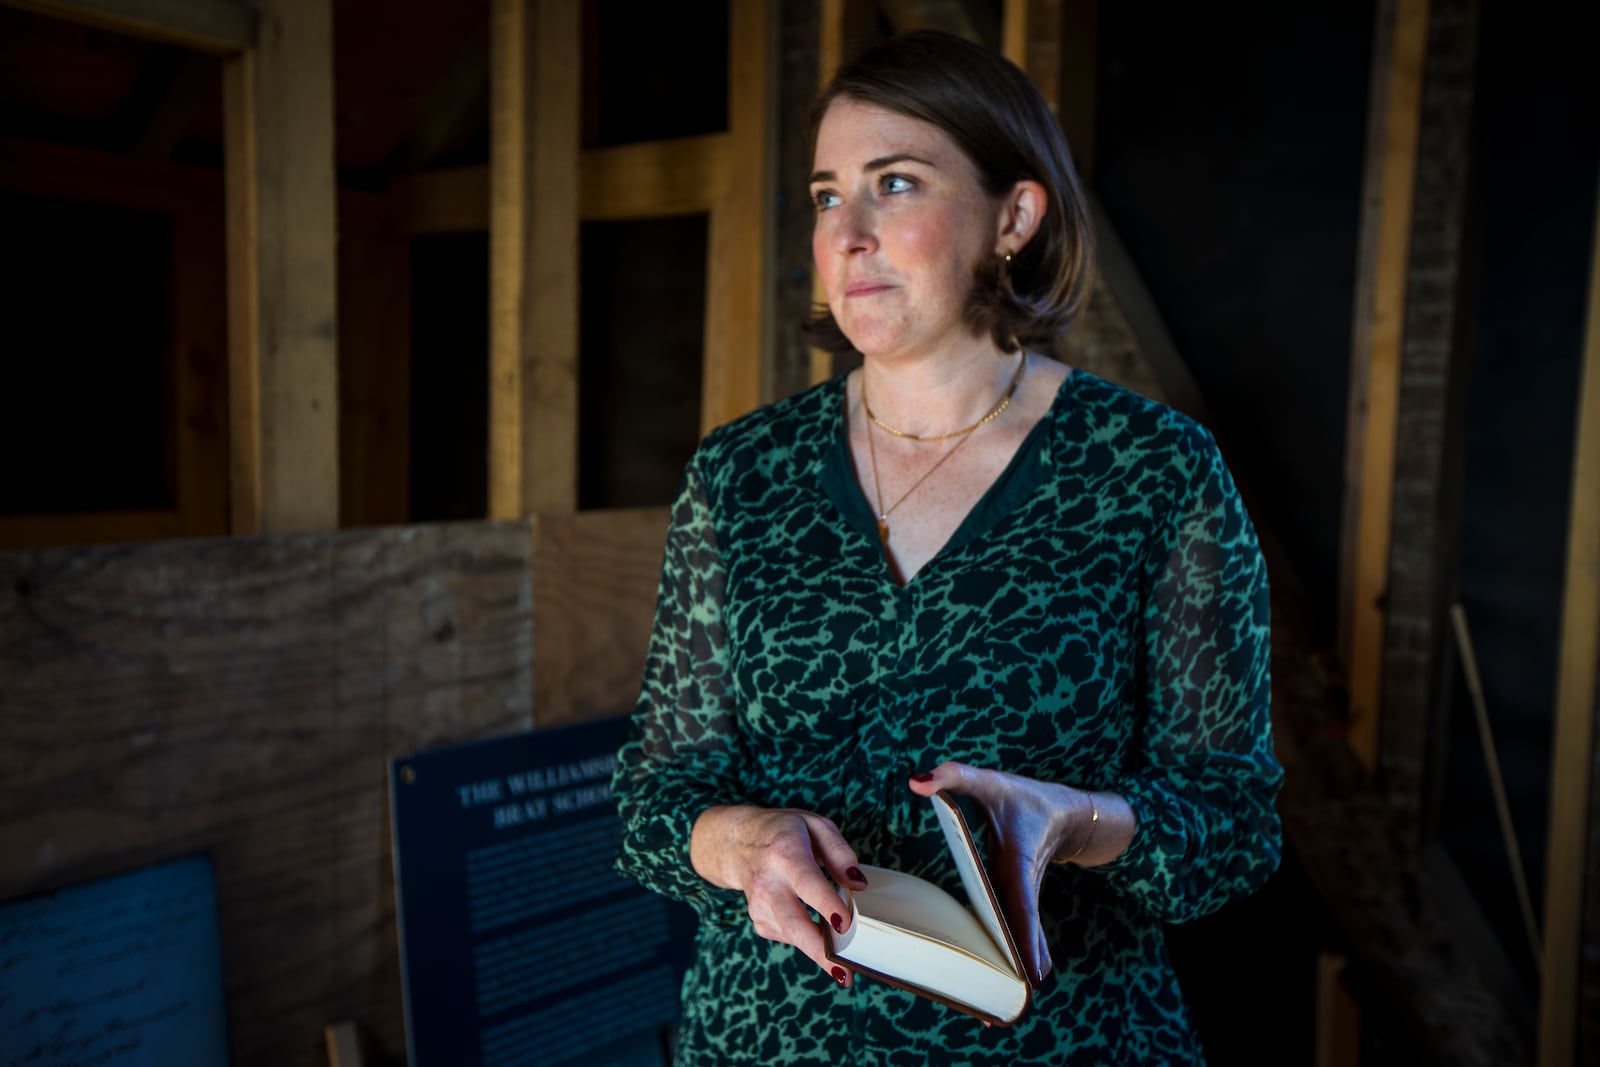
[(853, 228)]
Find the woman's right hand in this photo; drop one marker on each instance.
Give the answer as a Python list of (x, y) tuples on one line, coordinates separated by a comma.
[(775, 857)]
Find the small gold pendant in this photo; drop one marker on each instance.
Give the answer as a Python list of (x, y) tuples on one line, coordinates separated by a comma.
[(883, 532)]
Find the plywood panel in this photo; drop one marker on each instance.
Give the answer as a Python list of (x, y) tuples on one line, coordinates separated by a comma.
[(594, 581), (242, 698)]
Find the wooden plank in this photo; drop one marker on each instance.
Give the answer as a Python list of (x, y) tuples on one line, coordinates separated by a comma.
[(653, 179), (282, 274), (594, 596), (1030, 36), (1568, 844), (221, 26), (1338, 1039), (846, 27), (1375, 364), (241, 697), (533, 253), (737, 335), (683, 176), (343, 1045)]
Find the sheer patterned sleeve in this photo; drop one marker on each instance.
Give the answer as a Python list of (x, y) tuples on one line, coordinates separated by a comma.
[(683, 752), (1204, 781)]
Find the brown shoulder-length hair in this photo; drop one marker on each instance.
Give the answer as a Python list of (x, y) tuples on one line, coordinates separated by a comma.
[(995, 115)]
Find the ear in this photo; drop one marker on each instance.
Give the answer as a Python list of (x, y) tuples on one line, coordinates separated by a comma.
[(1022, 211)]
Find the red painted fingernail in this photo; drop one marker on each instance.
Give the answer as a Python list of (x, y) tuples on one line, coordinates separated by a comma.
[(925, 776), (855, 875), (838, 923), (839, 975)]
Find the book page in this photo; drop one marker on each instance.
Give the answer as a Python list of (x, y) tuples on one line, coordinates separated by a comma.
[(973, 879), (911, 903)]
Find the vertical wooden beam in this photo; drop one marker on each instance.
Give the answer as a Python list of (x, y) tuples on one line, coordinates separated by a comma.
[(533, 257), (846, 26), (282, 278), (1338, 1021), (1573, 748), (1030, 36), (737, 260), (1399, 56)]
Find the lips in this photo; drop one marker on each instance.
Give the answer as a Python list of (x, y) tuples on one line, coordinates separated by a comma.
[(866, 288)]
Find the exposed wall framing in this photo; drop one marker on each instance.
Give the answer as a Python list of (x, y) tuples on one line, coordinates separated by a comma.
[(1569, 1007), (1399, 58), (281, 273), (283, 369), (199, 343), (1435, 366), (533, 254)]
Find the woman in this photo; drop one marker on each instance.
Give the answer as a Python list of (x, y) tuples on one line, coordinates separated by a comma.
[(962, 567)]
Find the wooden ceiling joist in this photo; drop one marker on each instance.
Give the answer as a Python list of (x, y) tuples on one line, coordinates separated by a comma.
[(220, 26)]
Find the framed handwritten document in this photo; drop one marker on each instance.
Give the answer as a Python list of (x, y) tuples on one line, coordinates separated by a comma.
[(519, 944), (123, 972)]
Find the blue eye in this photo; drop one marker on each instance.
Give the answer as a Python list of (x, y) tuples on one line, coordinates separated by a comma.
[(896, 183), (824, 199)]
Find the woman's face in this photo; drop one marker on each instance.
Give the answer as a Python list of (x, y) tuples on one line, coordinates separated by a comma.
[(902, 221)]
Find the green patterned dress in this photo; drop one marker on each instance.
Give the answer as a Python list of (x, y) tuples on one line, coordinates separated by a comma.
[(1099, 619)]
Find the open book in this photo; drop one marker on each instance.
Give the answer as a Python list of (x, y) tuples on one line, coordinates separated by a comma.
[(912, 934)]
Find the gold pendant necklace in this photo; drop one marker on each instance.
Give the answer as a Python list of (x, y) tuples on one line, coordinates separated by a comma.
[(965, 435), (994, 412)]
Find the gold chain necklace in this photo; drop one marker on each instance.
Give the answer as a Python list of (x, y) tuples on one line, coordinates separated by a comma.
[(994, 412), (965, 435)]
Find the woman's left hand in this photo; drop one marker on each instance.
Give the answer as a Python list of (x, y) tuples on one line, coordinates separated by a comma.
[(1031, 823)]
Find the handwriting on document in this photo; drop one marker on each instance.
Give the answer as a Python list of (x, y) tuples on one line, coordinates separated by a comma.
[(120, 971)]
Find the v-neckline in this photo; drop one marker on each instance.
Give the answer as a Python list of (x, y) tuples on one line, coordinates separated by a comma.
[(1015, 483)]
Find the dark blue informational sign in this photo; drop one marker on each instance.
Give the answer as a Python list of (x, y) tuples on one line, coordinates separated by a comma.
[(519, 943), (123, 972)]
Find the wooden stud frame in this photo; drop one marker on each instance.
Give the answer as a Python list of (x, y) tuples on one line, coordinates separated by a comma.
[(279, 197), (1572, 750), (737, 245), (1393, 130), (535, 159), (844, 27), (534, 105)]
